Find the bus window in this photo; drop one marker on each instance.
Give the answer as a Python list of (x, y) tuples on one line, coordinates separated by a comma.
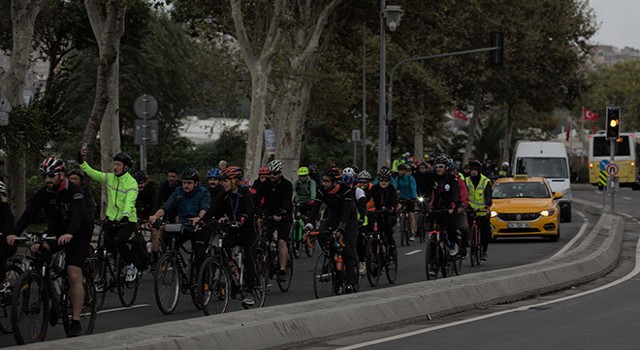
[(601, 147)]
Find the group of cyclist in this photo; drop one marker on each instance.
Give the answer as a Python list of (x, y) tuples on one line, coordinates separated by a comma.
[(347, 199)]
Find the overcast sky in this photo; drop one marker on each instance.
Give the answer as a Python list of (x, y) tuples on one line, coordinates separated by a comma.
[(618, 20)]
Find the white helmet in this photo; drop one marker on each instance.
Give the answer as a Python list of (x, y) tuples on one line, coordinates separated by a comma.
[(3, 188), (274, 166), (505, 164)]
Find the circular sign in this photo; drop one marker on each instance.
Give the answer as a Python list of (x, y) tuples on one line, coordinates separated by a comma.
[(612, 169), (603, 164), (146, 106)]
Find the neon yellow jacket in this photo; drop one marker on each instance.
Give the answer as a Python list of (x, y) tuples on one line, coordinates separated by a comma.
[(121, 193)]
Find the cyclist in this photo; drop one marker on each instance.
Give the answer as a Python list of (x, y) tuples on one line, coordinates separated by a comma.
[(504, 170), (277, 194), (385, 199), (214, 186), (236, 205), (77, 177), (6, 225), (167, 188), (446, 196), (341, 216), (63, 203), (424, 180), (364, 183), (304, 190), (191, 202), (263, 174), (122, 193), (147, 204), (480, 197), (406, 186), (460, 216)]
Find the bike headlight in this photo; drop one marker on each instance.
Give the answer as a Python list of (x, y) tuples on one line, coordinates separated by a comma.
[(420, 199), (494, 214), (547, 212)]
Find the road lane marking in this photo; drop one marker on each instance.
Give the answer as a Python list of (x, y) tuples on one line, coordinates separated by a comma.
[(627, 198), (573, 241), (627, 277), (413, 252), (123, 308)]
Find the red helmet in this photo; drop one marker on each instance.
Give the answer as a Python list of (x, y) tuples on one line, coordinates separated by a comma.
[(263, 171), (233, 172)]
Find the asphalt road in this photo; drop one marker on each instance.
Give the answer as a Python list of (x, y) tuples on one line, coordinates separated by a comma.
[(502, 254)]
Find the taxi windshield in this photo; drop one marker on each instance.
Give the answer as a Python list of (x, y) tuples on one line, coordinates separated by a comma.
[(520, 190)]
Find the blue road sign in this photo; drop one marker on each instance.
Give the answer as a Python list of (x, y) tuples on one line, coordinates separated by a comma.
[(603, 164)]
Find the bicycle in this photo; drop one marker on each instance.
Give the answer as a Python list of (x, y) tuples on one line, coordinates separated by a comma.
[(222, 275), (405, 222), (110, 271), (475, 244), (380, 255), (439, 252), (310, 243), (329, 271), (421, 225), (43, 283), (268, 260), (297, 231), (143, 230), (14, 267), (175, 275)]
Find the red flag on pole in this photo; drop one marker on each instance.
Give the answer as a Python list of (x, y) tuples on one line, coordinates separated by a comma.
[(458, 114), (568, 131), (589, 114)]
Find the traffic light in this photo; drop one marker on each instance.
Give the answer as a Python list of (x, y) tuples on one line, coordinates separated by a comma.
[(613, 123), (392, 131), (497, 41)]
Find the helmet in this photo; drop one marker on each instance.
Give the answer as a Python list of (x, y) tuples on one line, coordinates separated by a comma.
[(190, 174), (51, 166), (402, 167), (233, 172), (384, 173), (263, 171), (313, 169), (124, 158), (453, 165), (213, 173), (406, 154), (275, 166), (442, 160), (505, 165), (348, 175), (475, 164), (364, 175), (77, 172), (3, 188), (140, 176), (332, 173), (303, 171)]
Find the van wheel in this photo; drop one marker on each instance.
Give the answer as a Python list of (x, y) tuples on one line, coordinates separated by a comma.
[(565, 215)]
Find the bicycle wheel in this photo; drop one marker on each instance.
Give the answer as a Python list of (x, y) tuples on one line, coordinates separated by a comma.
[(474, 247), (166, 283), (127, 291), (431, 258), (89, 310), (11, 276), (214, 284), (194, 291), (260, 290), (323, 276), (30, 309), (284, 286), (99, 267), (373, 261), (391, 265), (296, 239)]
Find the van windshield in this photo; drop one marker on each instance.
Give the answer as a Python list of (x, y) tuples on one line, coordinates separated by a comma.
[(545, 167)]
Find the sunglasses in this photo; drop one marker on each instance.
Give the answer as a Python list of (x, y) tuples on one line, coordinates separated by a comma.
[(50, 176), (274, 173), (439, 166), (384, 180)]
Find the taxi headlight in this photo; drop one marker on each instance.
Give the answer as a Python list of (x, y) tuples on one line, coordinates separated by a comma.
[(494, 214), (547, 212)]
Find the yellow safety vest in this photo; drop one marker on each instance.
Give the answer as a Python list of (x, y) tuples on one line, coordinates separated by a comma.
[(476, 194)]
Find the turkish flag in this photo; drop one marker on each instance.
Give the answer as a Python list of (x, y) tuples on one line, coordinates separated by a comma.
[(458, 114), (589, 114), (568, 135)]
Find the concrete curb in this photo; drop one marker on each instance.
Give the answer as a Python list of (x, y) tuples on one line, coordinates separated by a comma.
[(304, 322)]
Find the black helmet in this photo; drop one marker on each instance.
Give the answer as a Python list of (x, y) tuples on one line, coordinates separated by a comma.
[(140, 176), (51, 166), (442, 160), (124, 158), (190, 174), (474, 163), (78, 172), (333, 173)]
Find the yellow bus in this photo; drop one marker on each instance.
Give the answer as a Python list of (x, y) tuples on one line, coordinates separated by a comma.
[(626, 153)]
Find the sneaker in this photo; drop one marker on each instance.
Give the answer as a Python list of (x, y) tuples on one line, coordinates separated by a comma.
[(349, 289), (339, 290), (483, 256), (282, 276), (75, 329), (98, 286), (248, 300), (362, 268), (412, 238), (132, 273)]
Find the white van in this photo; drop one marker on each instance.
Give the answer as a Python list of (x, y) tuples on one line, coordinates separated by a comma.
[(549, 160)]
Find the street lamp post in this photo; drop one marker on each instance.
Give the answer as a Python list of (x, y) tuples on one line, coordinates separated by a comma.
[(389, 16)]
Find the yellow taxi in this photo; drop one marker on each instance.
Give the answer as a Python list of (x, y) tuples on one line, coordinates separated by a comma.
[(525, 206)]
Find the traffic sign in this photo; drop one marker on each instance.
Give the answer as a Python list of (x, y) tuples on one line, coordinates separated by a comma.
[(612, 169), (146, 132), (146, 106), (603, 164)]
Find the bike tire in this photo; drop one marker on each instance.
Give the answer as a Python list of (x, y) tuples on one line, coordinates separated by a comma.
[(214, 286), (296, 239), (194, 291), (89, 308), (373, 261), (391, 265), (323, 276), (474, 251), (260, 290), (284, 286), (431, 259), (166, 284), (127, 291), (12, 275), (99, 268), (30, 308)]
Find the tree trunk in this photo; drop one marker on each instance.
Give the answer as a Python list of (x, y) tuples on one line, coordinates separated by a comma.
[(418, 138), (471, 138), (255, 139), (23, 18)]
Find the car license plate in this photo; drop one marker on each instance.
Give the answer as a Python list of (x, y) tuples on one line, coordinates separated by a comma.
[(518, 225)]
